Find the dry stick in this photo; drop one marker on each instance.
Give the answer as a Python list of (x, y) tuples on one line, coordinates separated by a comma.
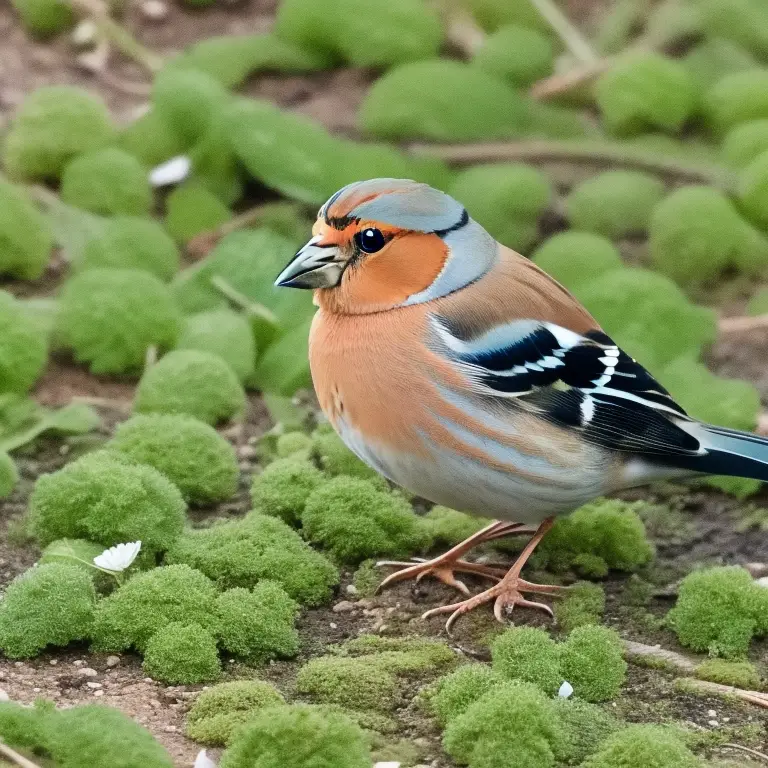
[(562, 82), (15, 757), (742, 324), (574, 41), (655, 653), (704, 686), (749, 751)]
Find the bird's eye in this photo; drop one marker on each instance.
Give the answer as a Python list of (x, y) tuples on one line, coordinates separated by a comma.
[(370, 240)]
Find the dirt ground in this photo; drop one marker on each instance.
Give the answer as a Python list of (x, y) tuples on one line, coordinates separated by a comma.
[(703, 529)]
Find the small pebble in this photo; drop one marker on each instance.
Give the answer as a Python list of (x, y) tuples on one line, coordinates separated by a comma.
[(84, 34), (351, 589), (53, 662), (345, 606), (113, 661), (711, 713), (87, 672), (37, 690), (713, 723), (333, 625), (18, 664), (93, 685), (154, 10), (98, 692), (78, 662), (247, 452), (4, 695)]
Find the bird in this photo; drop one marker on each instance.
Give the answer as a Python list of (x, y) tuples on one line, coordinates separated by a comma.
[(462, 372)]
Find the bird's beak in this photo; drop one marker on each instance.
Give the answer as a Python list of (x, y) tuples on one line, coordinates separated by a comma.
[(316, 265)]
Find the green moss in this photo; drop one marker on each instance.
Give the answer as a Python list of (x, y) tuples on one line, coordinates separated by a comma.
[(221, 332), (574, 257), (585, 727), (149, 601), (182, 654), (257, 624), (44, 18), (54, 124), (292, 443), (745, 142), (518, 54), (292, 736), (365, 33), (198, 384), (402, 655), (513, 724), (758, 304), (645, 90), (528, 654), (132, 242), (336, 459), (469, 105), (367, 578), (23, 346), (582, 604), (453, 694), (106, 498), (591, 661), (107, 181), (192, 209), (242, 552), (9, 475), (110, 317), (283, 488), (47, 605), (25, 235), (637, 592), (190, 453), (506, 198), (740, 674), (654, 746), (753, 190), (150, 139), (607, 528), (614, 203), (24, 727), (719, 610), (219, 712), (737, 98), (742, 21), (447, 527), (354, 520)]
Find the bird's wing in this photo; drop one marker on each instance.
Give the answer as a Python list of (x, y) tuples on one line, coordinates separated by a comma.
[(582, 381)]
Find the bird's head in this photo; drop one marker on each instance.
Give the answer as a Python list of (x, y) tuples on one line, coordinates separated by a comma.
[(387, 243)]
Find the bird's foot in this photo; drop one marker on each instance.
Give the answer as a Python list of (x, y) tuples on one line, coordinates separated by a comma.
[(443, 568), (505, 596)]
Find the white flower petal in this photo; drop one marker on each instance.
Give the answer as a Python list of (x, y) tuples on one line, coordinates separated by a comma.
[(566, 689), (119, 557), (173, 171), (203, 761)]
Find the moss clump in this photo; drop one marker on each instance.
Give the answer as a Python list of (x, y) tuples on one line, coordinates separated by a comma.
[(224, 333), (132, 242), (47, 605), (366, 578), (25, 235), (609, 529), (354, 520), (402, 655), (647, 745), (107, 181), (9, 475), (743, 143), (740, 674), (182, 654), (150, 139), (615, 203), (518, 54), (54, 124), (243, 552), (192, 209), (528, 654), (585, 727), (753, 190), (106, 498), (448, 527), (257, 625), (576, 257), (292, 736), (292, 443), (507, 199), (645, 90), (198, 384), (283, 488), (453, 694), (190, 453), (591, 661), (719, 610), (23, 346), (737, 98), (352, 683), (513, 724), (44, 18), (335, 458), (148, 602), (219, 712), (582, 604), (110, 317)]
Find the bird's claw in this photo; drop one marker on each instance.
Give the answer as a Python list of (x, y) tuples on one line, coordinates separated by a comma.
[(442, 570)]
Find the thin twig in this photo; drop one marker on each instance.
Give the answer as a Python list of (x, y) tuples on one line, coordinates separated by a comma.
[(574, 41), (118, 35), (657, 654), (201, 245), (704, 686), (742, 324), (749, 751), (583, 152), (563, 82), (15, 757)]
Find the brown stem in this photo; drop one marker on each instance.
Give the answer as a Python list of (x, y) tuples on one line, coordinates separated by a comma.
[(657, 654), (753, 752), (563, 82), (572, 38), (704, 686), (742, 324), (15, 757)]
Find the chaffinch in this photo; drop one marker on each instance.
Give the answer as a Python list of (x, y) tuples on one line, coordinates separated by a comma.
[(461, 371)]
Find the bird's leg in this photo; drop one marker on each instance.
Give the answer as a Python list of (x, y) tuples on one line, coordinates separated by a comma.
[(445, 566), (508, 592)]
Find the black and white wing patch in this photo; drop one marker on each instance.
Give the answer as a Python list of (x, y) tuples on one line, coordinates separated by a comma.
[(581, 381)]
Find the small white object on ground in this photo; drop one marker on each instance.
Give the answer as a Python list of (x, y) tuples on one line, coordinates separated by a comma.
[(566, 689), (154, 10), (172, 171), (762, 581), (85, 34), (390, 764), (203, 761), (119, 557)]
